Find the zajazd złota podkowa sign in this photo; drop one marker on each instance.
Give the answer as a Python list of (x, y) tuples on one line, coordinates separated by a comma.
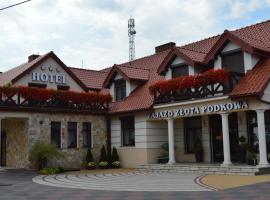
[(208, 109)]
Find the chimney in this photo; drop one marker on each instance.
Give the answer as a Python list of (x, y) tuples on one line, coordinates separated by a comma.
[(32, 57), (165, 47)]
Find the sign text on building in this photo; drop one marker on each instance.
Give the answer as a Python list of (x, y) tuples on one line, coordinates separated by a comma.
[(208, 109), (48, 78)]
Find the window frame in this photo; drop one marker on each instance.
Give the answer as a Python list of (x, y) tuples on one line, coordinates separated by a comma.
[(120, 84), (75, 146), (128, 129), (176, 67), (59, 145), (84, 131), (239, 69)]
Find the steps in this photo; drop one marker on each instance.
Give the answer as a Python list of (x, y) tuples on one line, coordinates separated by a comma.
[(206, 169)]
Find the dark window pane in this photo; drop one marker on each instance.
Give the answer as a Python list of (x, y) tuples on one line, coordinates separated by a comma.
[(56, 133), (181, 70), (128, 132), (233, 62), (72, 135), (120, 89), (192, 130), (87, 138)]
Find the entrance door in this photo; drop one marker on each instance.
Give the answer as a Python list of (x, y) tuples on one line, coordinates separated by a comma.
[(3, 148), (216, 138), (215, 124)]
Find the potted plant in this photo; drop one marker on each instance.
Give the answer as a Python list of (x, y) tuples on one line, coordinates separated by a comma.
[(251, 155), (198, 149), (103, 160), (90, 164), (115, 158), (165, 154)]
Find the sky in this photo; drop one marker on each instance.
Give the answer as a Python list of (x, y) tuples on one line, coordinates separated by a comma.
[(93, 34)]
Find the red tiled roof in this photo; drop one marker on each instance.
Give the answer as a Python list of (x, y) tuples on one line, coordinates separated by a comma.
[(129, 73), (91, 78), (255, 81), (8, 76), (13, 75), (140, 98)]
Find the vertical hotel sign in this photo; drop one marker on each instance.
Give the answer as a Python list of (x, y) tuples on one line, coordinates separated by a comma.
[(199, 110)]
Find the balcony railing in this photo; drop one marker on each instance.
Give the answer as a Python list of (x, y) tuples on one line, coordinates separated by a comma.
[(204, 91), (43, 100)]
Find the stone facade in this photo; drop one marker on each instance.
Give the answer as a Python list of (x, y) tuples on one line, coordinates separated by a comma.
[(16, 142), (22, 134)]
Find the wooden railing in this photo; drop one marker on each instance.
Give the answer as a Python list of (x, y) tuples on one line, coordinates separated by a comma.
[(210, 90), (16, 101)]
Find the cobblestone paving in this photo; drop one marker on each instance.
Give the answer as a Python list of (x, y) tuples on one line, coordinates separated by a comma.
[(18, 185), (139, 181)]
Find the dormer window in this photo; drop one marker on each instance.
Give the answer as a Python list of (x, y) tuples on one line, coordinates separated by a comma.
[(120, 89), (179, 70), (233, 61)]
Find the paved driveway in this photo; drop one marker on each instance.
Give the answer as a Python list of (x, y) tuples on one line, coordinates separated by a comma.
[(18, 185), (132, 181)]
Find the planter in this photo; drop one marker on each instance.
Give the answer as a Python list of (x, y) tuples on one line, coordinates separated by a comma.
[(252, 162), (163, 159), (199, 156)]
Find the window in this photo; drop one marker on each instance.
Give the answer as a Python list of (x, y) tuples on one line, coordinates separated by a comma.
[(120, 89), (181, 70), (87, 136), (233, 61), (62, 87), (127, 129), (193, 129), (37, 85), (56, 133), (72, 135)]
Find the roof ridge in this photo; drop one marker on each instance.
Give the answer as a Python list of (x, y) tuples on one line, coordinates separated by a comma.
[(251, 25), (191, 50), (128, 66), (204, 39), (87, 69), (155, 54)]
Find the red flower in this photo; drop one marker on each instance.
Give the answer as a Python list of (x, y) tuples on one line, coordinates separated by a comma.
[(186, 82)]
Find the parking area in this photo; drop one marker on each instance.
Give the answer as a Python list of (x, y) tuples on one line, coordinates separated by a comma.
[(18, 185)]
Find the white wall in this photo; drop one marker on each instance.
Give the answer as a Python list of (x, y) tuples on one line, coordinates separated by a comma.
[(54, 65)]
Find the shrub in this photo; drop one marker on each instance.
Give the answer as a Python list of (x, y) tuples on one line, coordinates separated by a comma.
[(52, 170), (89, 156), (90, 164), (115, 156), (42, 152), (116, 164), (103, 160), (103, 155)]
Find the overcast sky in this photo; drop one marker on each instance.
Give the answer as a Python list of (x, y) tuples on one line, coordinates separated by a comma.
[(95, 31)]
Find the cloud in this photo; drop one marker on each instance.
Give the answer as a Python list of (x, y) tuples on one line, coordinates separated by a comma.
[(96, 31)]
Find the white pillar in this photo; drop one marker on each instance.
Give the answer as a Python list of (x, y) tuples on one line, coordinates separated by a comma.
[(262, 139), (171, 141), (226, 139)]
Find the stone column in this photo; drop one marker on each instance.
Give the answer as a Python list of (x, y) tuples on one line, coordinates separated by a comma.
[(171, 141), (226, 139), (262, 139)]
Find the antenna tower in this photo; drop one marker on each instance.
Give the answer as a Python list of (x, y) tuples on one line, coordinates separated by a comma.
[(131, 35)]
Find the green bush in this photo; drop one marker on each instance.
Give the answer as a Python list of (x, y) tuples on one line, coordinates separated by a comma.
[(115, 156), (52, 170), (89, 156), (103, 155), (42, 152)]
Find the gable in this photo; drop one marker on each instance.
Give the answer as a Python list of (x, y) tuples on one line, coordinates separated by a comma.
[(50, 73)]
